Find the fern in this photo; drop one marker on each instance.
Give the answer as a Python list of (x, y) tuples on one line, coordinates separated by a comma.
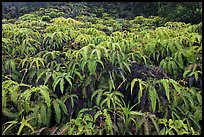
[(13, 88), (108, 120), (59, 78), (98, 97), (43, 115), (43, 90), (57, 111), (51, 61), (63, 106), (193, 69), (153, 97), (11, 123), (166, 87), (71, 96), (4, 98), (83, 40), (142, 86)]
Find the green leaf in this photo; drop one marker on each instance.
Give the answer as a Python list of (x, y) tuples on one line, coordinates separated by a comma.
[(63, 106), (196, 76), (31, 74), (43, 114), (95, 93), (11, 123), (119, 93), (153, 97), (199, 97), (166, 87), (98, 98), (169, 67), (4, 98), (98, 52), (25, 123), (45, 93), (14, 93), (7, 112), (98, 113), (108, 120), (100, 63), (185, 73), (68, 78), (48, 116), (12, 64), (180, 60), (140, 90), (23, 62), (146, 127), (48, 75), (79, 75), (119, 57), (127, 66), (72, 99), (111, 82), (155, 124), (27, 93), (85, 52), (92, 66), (136, 113), (112, 58), (163, 131), (133, 83), (62, 85), (175, 84), (83, 63), (39, 75), (174, 67), (57, 111), (163, 64), (106, 100), (55, 83)]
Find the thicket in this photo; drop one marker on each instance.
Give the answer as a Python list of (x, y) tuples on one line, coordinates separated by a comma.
[(89, 75), (188, 12)]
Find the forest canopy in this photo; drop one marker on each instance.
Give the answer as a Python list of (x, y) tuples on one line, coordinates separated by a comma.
[(188, 12)]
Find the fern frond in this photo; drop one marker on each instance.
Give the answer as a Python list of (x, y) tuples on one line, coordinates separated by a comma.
[(43, 114), (44, 90), (62, 85), (56, 81), (98, 113), (176, 85), (63, 106), (92, 67), (4, 98), (98, 98), (153, 97), (57, 111), (165, 83), (108, 120)]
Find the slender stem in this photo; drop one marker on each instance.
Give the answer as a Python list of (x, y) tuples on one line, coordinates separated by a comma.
[(26, 69), (121, 84), (114, 116)]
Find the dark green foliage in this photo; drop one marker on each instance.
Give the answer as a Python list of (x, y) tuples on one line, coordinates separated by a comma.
[(188, 12)]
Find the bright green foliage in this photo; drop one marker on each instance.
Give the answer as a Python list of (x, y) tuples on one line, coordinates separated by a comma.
[(23, 124), (175, 127), (100, 76)]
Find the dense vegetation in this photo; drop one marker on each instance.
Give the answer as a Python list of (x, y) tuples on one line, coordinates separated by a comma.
[(188, 12), (88, 75)]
